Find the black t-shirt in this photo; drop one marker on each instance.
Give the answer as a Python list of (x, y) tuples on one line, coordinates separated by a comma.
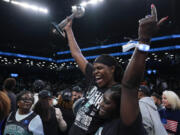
[(116, 127), (68, 117), (87, 120)]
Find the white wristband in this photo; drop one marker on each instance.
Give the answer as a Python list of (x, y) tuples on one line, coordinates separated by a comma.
[(133, 44), (143, 47)]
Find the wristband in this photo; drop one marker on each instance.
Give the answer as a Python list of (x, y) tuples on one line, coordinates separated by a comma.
[(133, 44), (143, 47)]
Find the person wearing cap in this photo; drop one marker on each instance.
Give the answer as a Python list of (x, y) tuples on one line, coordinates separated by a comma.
[(38, 85), (150, 116), (76, 93), (52, 118), (65, 104), (24, 121)]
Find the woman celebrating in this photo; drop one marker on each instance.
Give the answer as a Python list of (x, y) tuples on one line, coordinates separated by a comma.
[(24, 121), (104, 73)]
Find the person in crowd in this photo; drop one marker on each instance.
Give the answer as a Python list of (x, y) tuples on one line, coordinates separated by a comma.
[(38, 85), (65, 104), (105, 73), (170, 115), (24, 121), (51, 117), (8, 87), (157, 100), (5, 106), (150, 116), (76, 93)]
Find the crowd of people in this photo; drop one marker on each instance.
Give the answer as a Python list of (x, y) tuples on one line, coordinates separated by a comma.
[(114, 101)]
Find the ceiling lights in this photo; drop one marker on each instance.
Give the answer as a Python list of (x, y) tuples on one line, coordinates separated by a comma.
[(28, 6)]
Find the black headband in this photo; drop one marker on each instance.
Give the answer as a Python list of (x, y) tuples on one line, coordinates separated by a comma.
[(106, 60)]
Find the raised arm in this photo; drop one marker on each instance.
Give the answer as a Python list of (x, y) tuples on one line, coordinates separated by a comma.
[(74, 48), (135, 69)]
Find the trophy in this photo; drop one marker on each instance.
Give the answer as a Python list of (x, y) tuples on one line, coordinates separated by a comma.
[(77, 12)]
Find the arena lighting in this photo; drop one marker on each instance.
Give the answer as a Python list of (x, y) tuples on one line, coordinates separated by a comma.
[(26, 56), (149, 71), (85, 3), (176, 47), (29, 6), (6, 0), (154, 71), (14, 75), (120, 44)]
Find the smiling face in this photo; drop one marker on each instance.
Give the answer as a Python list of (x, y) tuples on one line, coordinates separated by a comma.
[(25, 102), (104, 75), (108, 107)]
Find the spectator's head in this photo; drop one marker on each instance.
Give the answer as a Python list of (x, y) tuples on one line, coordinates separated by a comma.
[(143, 91), (170, 100), (45, 94), (5, 105), (38, 85), (76, 93), (65, 99), (157, 98), (9, 84), (110, 106), (66, 95), (24, 100), (107, 71), (44, 105)]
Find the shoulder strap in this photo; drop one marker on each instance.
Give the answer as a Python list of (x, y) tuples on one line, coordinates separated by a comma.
[(11, 116), (31, 116)]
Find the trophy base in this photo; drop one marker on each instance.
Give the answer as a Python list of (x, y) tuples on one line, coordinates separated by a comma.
[(57, 30)]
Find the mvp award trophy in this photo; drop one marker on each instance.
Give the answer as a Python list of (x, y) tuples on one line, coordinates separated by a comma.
[(77, 12)]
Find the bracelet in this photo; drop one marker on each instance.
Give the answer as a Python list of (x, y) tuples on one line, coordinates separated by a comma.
[(143, 47), (133, 44)]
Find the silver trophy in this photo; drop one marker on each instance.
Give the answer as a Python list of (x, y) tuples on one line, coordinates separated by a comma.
[(77, 12)]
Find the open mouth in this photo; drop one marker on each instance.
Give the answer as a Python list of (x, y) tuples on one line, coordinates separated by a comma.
[(98, 79)]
